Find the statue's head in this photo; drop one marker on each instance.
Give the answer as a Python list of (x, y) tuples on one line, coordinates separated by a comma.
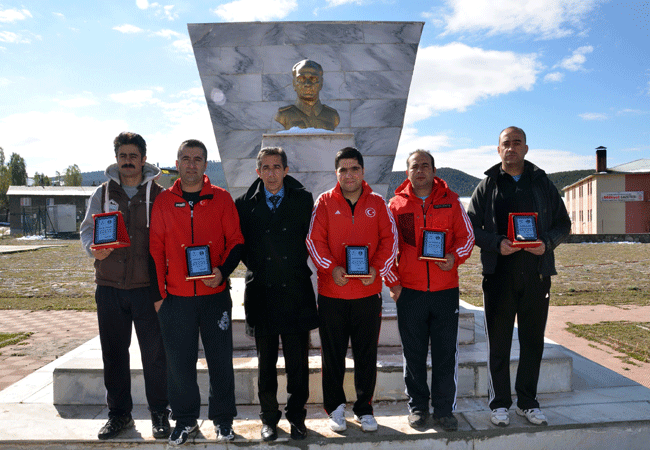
[(307, 79)]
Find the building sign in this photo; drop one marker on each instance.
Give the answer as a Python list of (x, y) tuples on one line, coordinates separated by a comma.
[(632, 196)]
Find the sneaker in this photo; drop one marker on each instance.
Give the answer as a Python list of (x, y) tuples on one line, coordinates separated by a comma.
[(269, 432), (160, 424), (534, 416), (182, 433), (224, 432), (337, 419), (417, 419), (114, 426), (500, 417), (367, 422), (448, 423)]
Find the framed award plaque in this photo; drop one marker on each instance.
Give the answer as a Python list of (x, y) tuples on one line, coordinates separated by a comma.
[(433, 245), (199, 265), (522, 230), (356, 262), (109, 231)]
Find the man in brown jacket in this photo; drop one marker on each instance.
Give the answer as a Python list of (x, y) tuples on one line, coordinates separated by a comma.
[(123, 292)]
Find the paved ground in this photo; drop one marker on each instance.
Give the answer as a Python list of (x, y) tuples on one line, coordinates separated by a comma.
[(58, 332)]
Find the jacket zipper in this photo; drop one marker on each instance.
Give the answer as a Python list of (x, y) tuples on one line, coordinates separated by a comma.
[(424, 215), (192, 229)]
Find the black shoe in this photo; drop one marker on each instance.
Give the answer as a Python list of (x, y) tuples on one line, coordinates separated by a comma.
[(269, 432), (298, 430), (224, 432), (417, 419), (114, 426), (160, 424), (182, 433), (448, 423)]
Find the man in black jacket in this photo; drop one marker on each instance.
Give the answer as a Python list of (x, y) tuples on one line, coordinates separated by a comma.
[(516, 281), (279, 299)]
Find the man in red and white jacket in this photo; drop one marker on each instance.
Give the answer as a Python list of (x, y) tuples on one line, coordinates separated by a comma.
[(426, 291), (193, 212), (350, 308)]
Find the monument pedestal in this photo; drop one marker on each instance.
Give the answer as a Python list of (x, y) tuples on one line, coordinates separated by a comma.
[(311, 156)]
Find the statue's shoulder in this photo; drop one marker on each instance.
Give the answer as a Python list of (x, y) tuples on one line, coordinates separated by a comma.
[(286, 109), (329, 110)]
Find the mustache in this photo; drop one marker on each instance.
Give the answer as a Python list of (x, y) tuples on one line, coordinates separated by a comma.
[(128, 166)]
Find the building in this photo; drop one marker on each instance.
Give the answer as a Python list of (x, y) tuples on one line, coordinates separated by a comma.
[(611, 201)]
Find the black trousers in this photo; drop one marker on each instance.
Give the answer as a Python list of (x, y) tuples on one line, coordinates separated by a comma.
[(118, 311), (181, 320), (526, 296), (295, 348), (349, 321), (423, 318)]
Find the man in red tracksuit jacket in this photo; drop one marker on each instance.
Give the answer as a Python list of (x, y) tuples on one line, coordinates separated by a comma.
[(426, 291), (350, 308), (193, 212)]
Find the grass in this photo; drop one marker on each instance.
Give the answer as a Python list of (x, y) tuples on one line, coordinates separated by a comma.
[(630, 338), (588, 274), (12, 338)]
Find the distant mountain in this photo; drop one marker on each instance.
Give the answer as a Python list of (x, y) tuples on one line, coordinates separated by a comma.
[(460, 182), (464, 184), (564, 179), (214, 172)]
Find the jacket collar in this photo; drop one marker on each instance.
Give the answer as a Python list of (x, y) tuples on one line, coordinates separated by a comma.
[(256, 190), (535, 172), (439, 189), (149, 172)]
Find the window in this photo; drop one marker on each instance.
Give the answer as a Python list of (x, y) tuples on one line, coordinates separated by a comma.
[(49, 202), (25, 201)]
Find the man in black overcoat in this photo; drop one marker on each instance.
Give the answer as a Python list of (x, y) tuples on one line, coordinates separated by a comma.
[(279, 299)]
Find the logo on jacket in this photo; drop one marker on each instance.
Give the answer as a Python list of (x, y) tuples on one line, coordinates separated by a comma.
[(179, 204), (337, 212), (224, 323), (370, 212), (112, 206), (444, 205)]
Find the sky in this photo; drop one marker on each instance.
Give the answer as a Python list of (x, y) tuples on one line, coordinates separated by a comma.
[(574, 74)]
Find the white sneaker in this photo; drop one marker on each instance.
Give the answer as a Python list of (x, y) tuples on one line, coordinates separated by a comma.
[(367, 422), (500, 417), (534, 416), (337, 419)]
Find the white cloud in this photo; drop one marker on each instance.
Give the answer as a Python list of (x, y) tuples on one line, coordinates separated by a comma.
[(14, 15), (554, 77), (78, 102), (334, 3), (5, 82), (546, 19), (159, 10), (128, 29), (252, 10), (593, 116), (142, 4), (183, 46), (455, 76), (59, 15), (135, 97), (167, 33), (13, 38), (46, 148), (576, 60)]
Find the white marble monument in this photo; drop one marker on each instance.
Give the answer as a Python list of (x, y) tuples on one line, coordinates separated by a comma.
[(245, 70)]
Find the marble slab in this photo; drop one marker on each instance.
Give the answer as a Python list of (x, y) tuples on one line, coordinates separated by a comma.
[(245, 70)]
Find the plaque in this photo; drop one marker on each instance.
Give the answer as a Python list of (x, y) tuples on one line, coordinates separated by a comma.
[(356, 262), (522, 230), (199, 265), (433, 245), (110, 231)]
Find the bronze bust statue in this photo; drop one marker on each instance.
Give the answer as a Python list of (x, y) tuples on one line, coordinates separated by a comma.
[(307, 111)]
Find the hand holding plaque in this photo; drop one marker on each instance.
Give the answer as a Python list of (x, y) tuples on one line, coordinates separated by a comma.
[(110, 231), (522, 230), (199, 265), (356, 262), (433, 245)]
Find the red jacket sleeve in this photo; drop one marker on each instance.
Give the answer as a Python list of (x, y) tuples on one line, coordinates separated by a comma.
[(157, 243), (317, 238), (384, 258), (230, 225), (463, 234), (392, 277)]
